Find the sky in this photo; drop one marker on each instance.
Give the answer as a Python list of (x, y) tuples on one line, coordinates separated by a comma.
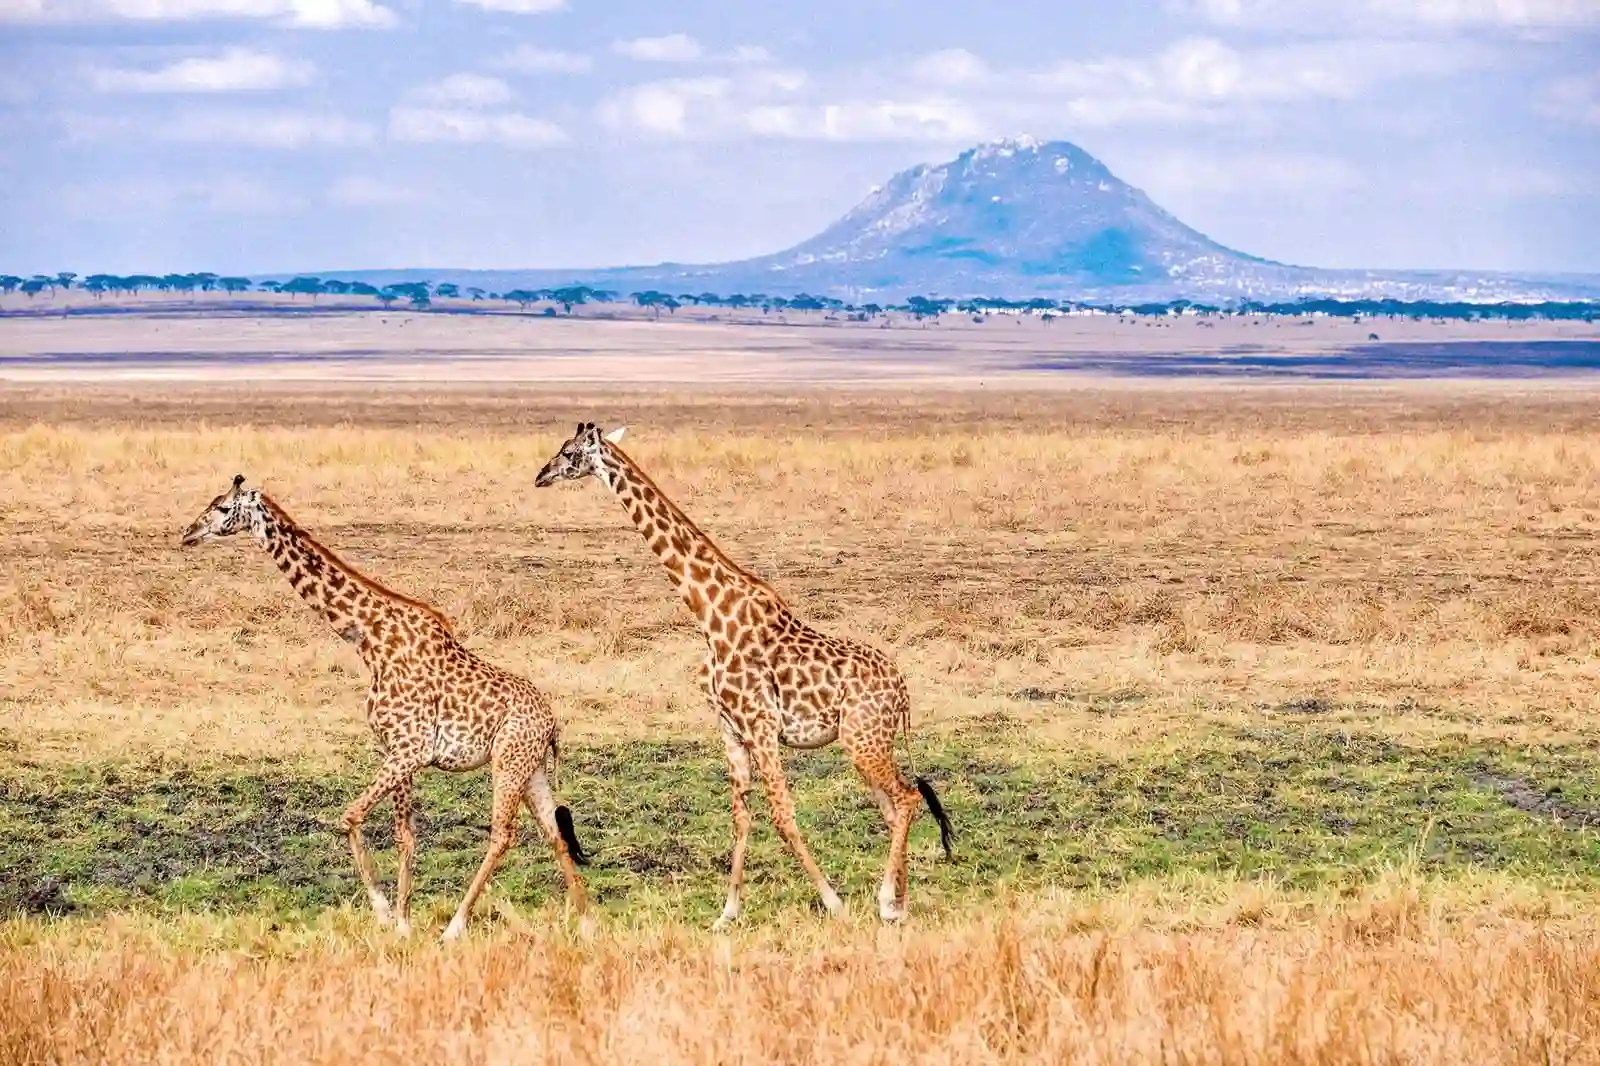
[(254, 136)]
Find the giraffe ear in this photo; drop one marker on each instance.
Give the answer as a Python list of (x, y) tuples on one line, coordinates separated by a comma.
[(616, 434)]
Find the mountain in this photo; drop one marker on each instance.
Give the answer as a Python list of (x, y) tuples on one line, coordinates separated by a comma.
[(1014, 218)]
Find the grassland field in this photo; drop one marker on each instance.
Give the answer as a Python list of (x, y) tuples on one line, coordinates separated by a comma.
[(1266, 717)]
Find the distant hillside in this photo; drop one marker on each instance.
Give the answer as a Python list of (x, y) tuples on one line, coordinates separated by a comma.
[(1020, 218)]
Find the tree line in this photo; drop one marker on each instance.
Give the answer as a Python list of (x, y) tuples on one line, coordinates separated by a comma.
[(421, 294)]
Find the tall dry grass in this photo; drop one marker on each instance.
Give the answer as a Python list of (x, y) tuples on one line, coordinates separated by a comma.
[(1378, 982)]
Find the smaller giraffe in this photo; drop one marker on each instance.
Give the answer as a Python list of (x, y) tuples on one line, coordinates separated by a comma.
[(431, 702), (772, 679)]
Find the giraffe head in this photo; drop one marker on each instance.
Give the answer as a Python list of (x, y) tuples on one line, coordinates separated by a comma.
[(230, 513), (580, 456)]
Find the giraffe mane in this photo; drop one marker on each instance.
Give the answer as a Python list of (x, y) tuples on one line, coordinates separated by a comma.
[(372, 584), (638, 471)]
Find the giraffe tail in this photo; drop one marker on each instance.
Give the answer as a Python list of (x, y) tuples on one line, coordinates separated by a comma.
[(931, 798), (947, 834), (569, 835)]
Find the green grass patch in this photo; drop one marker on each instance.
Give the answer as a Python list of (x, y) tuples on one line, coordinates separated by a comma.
[(1305, 805)]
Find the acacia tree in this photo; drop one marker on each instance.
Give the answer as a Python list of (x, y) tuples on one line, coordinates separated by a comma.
[(572, 294), (310, 286)]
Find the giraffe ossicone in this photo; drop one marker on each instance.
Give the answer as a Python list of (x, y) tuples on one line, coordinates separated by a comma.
[(772, 679), (431, 702)]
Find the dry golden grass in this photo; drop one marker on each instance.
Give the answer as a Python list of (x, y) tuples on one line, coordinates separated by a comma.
[(1395, 976), (1426, 561)]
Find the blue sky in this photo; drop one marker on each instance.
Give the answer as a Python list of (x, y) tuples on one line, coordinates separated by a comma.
[(275, 135)]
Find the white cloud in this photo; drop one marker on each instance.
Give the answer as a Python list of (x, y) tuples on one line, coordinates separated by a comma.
[(235, 70), (460, 109), (469, 90), (1341, 15), (1205, 80), (518, 7), (766, 105), (431, 125), (360, 191), (953, 95), (664, 106), (673, 48), (266, 129), (529, 59), (1573, 100), (953, 66), (310, 14)]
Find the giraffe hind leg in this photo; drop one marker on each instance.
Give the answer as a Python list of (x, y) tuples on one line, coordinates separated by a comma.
[(519, 751), (556, 823), (872, 752)]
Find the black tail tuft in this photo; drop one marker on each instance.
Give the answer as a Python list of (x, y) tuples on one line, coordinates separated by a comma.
[(570, 837), (929, 796)]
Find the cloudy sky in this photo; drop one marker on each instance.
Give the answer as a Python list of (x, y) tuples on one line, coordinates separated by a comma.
[(274, 135)]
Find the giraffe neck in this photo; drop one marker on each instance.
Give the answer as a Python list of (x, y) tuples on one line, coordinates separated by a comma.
[(359, 609), (710, 584)]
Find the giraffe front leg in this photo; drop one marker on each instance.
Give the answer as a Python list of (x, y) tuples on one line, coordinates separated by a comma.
[(769, 761), (739, 783), (405, 836), (390, 776)]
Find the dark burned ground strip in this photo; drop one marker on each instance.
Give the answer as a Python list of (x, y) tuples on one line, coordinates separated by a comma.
[(1308, 805), (1399, 359), (1524, 795)]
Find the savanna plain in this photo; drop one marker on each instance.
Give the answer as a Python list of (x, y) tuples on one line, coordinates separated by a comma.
[(1266, 717)]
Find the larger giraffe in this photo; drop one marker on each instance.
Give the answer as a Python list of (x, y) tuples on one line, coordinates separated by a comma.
[(771, 678), (431, 703)]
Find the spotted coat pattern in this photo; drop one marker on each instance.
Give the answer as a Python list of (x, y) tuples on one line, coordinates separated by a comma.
[(431, 702), (771, 678)]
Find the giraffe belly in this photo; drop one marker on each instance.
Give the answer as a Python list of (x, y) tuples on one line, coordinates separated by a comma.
[(458, 749), (807, 731)]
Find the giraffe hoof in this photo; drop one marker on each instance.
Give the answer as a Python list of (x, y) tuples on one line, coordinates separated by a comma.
[(892, 915), (402, 927), (452, 932)]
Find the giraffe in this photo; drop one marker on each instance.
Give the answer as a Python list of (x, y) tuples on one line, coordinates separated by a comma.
[(771, 678), (431, 702)]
